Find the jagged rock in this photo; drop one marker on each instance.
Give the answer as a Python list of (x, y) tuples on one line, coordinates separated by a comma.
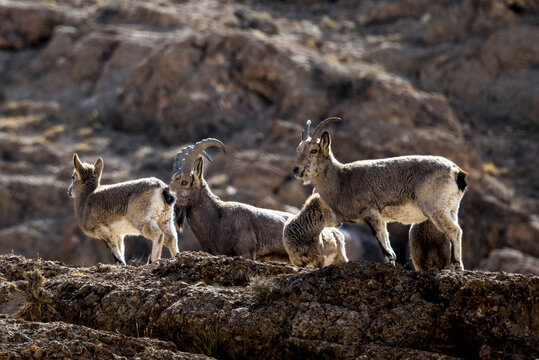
[(222, 67), (237, 308), (496, 73)]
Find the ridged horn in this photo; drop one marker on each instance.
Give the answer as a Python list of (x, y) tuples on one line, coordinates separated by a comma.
[(323, 124), (185, 159), (307, 130)]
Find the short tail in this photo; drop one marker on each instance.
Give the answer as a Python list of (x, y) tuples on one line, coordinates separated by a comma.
[(169, 197), (461, 180)]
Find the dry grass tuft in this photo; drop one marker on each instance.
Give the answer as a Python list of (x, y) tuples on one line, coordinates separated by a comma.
[(264, 289), (38, 305), (207, 340)]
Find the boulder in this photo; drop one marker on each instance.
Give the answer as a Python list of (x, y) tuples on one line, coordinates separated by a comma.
[(511, 261)]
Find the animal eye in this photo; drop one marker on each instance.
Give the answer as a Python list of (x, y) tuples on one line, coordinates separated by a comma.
[(184, 183), (314, 151)]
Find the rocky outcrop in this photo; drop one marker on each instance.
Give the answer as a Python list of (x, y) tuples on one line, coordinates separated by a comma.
[(34, 340), (236, 308)]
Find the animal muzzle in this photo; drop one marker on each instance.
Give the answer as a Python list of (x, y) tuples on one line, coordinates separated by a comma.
[(299, 172)]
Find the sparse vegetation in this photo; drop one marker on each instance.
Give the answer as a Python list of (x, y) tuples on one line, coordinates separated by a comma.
[(263, 289), (207, 340), (39, 306)]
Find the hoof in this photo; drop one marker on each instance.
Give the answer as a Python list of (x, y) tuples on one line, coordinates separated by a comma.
[(118, 261), (456, 266)]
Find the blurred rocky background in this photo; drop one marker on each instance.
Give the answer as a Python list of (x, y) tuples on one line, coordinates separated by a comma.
[(133, 81)]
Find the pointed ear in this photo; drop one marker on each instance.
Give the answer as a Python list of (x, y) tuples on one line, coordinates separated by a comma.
[(197, 171), (325, 142), (99, 166), (76, 162)]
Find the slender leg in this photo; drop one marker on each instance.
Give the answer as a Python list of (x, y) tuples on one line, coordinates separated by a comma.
[(450, 227), (113, 241), (379, 230), (171, 238), (442, 211), (116, 246), (341, 246), (172, 244), (152, 232)]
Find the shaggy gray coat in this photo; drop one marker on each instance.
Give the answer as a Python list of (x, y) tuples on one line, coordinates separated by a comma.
[(311, 238), (109, 212), (227, 227), (407, 189)]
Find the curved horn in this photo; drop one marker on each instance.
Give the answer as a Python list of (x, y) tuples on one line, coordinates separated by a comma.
[(207, 156), (307, 130), (186, 157), (323, 124), (180, 157)]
